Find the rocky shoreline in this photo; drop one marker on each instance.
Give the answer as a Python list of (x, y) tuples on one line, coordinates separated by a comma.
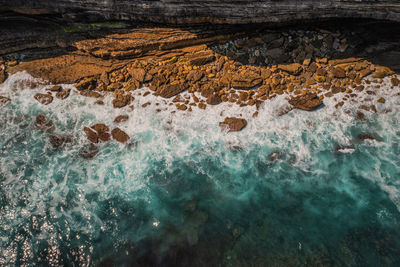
[(308, 64)]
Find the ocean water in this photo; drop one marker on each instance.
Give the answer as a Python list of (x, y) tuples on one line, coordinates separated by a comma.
[(300, 189)]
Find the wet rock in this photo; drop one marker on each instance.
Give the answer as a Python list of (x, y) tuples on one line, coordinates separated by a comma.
[(44, 99), (89, 152), (293, 69), (3, 75), (170, 90), (102, 131), (90, 93), (4, 100), (381, 100), (120, 135), (100, 127), (275, 155), (214, 99), (182, 107), (121, 100), (121, 118), (395, 81), (307, 102), (63, 94), (91, 135), (233, 124), (86, 84), (42, 123), (55, 88), (360, 116)]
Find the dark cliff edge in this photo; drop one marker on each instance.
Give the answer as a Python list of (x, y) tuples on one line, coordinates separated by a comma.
[(207, 11)]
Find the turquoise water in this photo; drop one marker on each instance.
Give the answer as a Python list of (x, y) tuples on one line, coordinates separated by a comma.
[(183, 193)]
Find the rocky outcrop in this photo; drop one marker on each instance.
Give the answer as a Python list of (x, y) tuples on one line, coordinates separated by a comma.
[(210, 11)]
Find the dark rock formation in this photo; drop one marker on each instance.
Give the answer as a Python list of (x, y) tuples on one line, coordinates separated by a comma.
[(210, 11)]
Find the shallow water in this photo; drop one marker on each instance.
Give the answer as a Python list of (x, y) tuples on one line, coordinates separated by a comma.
[(184, 193)]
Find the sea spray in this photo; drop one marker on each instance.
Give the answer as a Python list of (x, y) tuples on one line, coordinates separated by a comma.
[(183, 190)]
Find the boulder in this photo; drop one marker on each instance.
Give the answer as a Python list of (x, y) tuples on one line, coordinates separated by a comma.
[(214, 99), (44, 99), (138, 74), (307, 102), (121, 101), (63, 94), (233, 124), (170, 90), (91, 135), (120, 135)]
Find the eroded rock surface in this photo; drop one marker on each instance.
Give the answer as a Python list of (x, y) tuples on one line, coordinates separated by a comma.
[(212, 11)]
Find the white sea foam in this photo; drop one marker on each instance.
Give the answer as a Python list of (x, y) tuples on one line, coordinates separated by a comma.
[(172, 135)]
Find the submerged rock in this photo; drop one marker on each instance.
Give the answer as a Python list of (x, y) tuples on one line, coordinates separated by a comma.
[(42, 123), (4, 100), (120, 135), (44, 99), (89, 152), (58, 141), (307, 102), (233, 124), (275, 155)]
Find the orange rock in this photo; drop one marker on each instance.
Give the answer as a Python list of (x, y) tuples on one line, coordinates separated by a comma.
[(233, 124), (294, 68), (308, 101), (138, 74)]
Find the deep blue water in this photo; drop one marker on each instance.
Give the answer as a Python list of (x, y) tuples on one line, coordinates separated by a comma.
[(183, 193)]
